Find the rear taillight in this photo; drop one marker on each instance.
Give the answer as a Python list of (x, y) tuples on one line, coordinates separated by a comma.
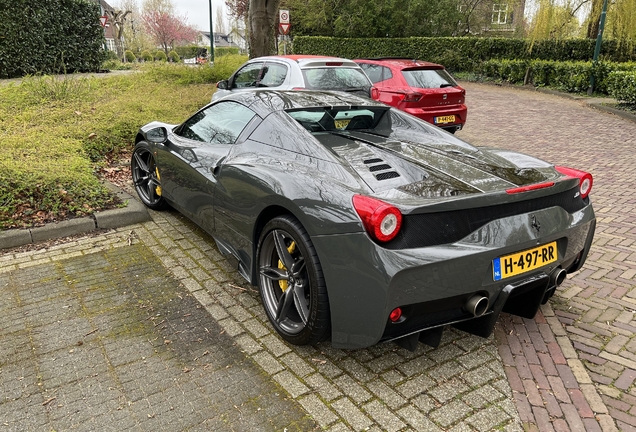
[(585, 179), (411, 97), (382, 221), (333, 64)]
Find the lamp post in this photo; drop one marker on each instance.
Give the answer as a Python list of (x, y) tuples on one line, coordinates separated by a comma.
[(212, 36), (597, 48)]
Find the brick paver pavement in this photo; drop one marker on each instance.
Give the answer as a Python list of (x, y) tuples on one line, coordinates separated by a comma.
[(593, 323), (565, 370), (110, 341)]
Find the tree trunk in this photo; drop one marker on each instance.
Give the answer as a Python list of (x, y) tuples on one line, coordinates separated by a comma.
[(595, 17), (262, 17)]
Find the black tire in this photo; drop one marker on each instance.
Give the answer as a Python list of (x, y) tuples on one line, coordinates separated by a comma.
[(145, 179), (295, 301)]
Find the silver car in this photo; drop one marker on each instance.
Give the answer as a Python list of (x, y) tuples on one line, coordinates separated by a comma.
[(296, 72)]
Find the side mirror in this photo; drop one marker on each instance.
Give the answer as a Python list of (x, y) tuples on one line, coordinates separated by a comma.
[(223, 85), (375, 93), (157, 135)]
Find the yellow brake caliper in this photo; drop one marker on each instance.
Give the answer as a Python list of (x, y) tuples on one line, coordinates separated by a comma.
[(283, 283), (158, 188)]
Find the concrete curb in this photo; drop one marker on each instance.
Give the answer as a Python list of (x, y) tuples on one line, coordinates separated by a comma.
[(594, 102), (623, 114), (133, 213)]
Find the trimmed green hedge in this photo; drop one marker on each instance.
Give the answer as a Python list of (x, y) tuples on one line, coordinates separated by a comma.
[(622, 86), (188, 51), (49, 36), (130, 56), (173, 57), (160, 56), (220, 52), (463, 53), (566, 76)]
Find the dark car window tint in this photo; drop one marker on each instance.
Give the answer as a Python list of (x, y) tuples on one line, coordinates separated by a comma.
[(337, 119), (376, 73), (221, 123), (429, 78), (273, 75), (335, 78), (248, 76)]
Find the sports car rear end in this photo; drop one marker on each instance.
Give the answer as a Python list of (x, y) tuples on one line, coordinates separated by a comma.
[(482, 231)]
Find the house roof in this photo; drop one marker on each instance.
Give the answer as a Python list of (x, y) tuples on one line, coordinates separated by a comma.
[(220, 40), (106, 6)]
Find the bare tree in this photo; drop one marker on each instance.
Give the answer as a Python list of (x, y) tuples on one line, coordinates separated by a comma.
[(219, 22), (117, 19)]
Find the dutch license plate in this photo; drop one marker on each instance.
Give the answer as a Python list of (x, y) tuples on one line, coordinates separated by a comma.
[(341, 124), (522, 262), (445, 119)]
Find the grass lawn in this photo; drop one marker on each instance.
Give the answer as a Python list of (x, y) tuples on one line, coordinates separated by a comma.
[(58, 135)]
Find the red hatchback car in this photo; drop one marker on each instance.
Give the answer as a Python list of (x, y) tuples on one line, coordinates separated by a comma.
[(425, 90)]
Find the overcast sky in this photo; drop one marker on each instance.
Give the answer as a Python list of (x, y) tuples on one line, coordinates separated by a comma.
[(198, 12)]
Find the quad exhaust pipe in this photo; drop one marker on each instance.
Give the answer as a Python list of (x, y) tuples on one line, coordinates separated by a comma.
[(477, 305)]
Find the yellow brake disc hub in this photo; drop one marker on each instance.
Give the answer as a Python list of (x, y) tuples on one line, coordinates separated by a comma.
[(158, 188), (283, 283)]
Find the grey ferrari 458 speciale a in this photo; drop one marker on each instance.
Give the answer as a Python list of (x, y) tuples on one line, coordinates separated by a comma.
[(363, 224)]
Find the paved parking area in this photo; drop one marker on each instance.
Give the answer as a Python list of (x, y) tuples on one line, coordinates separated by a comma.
[(595, 307), (149, 328), (110, 340)]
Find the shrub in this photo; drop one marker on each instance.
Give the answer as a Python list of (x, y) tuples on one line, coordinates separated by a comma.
[(463, 52), (48, 36), (223, 51), (566, 76), (146, 56), (621, 85), (512, 71), (160, 56), (110, 55), (54, 135), (51, 88), (174, 57), (189, 51), (206, 74), (130, 56)]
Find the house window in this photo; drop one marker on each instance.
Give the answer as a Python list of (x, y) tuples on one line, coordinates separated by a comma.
[(110, 44), (499, 13)]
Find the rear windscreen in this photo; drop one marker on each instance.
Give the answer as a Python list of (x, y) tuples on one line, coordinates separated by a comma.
[(331, 78), (429, 78), (338, 119)]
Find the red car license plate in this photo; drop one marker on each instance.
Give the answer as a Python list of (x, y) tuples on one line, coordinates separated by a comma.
[(445, 119)]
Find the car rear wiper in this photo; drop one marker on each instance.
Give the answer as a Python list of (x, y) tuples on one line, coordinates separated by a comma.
[(355, 89), (446, 85)]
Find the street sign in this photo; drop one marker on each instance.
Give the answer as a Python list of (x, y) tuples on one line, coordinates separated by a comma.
[(102, 20), (283, 16), (284, 28)]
